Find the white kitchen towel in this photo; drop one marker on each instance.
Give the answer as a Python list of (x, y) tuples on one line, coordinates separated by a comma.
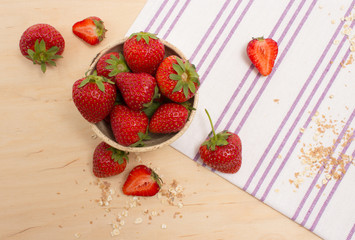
[(297, 124)]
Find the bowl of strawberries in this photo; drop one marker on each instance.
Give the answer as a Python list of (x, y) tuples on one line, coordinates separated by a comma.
[(139, 94)]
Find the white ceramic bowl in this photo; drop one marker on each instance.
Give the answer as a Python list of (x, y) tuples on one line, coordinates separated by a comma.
[(103, 130)]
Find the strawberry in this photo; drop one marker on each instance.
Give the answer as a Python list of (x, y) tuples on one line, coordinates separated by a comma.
[(223, 151), (137, 89), (94, 97), (177, 79), (42, 44), (142, 181), (143, 52), (110, 64), (91, 30), (168, 118), (129, 126), (108, 161), (262, 53)]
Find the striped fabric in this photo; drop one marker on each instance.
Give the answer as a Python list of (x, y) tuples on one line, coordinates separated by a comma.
[(297, 124)]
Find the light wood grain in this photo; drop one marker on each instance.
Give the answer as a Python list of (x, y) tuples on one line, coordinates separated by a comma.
[(47, 188)]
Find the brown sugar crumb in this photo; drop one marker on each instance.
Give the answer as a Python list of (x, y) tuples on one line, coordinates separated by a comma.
[(319, 156)]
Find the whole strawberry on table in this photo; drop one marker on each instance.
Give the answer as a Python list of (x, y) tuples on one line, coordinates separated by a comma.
[(42, 44), (222, 151)]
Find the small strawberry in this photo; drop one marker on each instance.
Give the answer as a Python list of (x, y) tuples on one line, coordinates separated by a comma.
[(169, 118), (108, 161), (129, 126), (137, 89), (94, 97), (262, 53), (142, 181), (143, 52), (223, 151), (110, 64), (177, 79), (91, 30), (42, 44)]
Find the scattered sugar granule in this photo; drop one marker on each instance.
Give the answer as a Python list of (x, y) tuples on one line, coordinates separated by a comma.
[(77, 235), (115, 232), (138, 220), (163, 226)]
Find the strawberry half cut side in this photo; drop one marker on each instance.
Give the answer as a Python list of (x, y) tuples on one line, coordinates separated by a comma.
[(40, 54), (142, 181)]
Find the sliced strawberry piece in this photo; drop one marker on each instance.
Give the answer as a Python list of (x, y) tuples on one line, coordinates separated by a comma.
[(262, 53), (91, 30), (142, 181)]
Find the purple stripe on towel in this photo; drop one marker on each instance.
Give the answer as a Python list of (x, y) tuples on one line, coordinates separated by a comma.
[(314, 181), (176, 19), (215, 39), (156, 15), (209, 30), (330, 43), (352, 230), (224, 44), (330, 196), (246, 75), (162, 23), (308, 120)]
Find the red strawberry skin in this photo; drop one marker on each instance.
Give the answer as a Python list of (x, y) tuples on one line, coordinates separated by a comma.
[(104, 164), (168, 118), (127, 123), (226, 159), (91, 30), (141, 56), (93, 104), (167, 85), (48, 33), (262, 53), (142, 181), (137, 89)]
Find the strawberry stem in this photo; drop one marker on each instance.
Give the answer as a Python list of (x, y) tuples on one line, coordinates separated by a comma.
[(209, 117)]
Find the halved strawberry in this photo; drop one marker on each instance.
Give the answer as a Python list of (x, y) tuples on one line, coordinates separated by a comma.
[(262, 53), (91, 30), (142, 181)]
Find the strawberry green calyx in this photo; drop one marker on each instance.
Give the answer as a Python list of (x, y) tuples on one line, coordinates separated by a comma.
[(118, 155), (142, 136), (259, 38), (40, 54), (116, 65), (149, 108), (94, 78), (100, 29), (186, 77), (219, 139), (156, 178), (144, 35)]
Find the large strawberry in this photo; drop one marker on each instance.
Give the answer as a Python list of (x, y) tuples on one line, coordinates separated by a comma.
[(143, 52), (223, 151), (94, 97), (91, 30), (108, 161), (169, 118), (262, 53), (110, 64), (177, 79), (137, 89), (129, 126), (42, 44), (142, 181)]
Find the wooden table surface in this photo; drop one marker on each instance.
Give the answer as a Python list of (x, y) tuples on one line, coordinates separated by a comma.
[(47, 187)]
